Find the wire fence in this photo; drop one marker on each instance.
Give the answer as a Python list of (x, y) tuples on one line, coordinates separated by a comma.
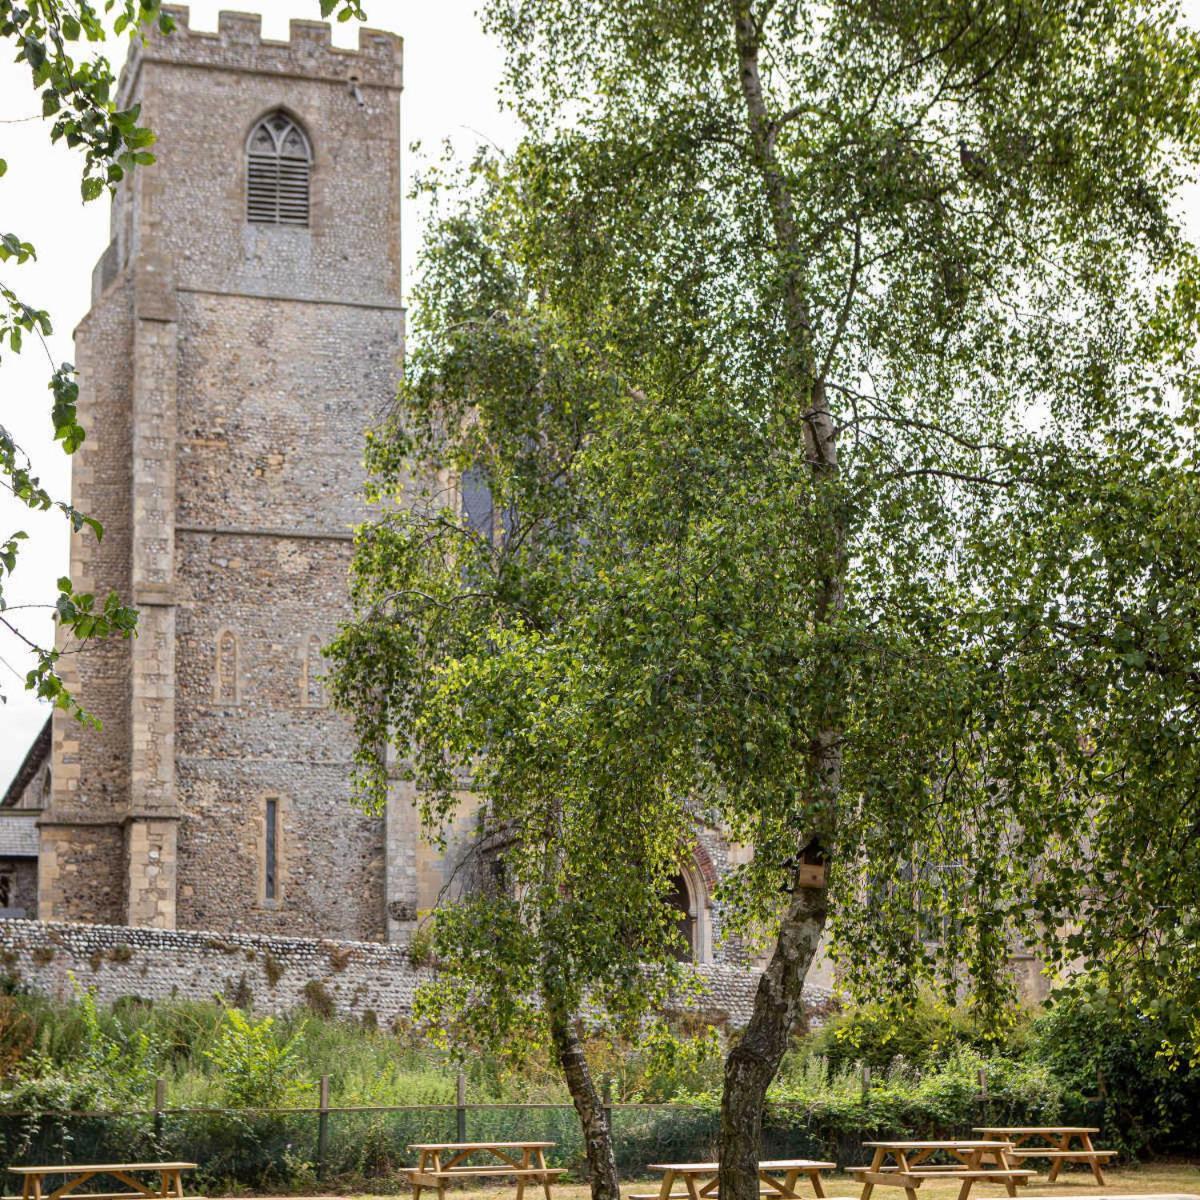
[(290, 1149), (294, 1150)]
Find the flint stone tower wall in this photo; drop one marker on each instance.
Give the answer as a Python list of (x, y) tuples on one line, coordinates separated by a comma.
[(228, 373)]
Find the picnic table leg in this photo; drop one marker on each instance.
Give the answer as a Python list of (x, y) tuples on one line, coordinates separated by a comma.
[(668, 1182), (1063, 1143), (971, 1161), (876, 1162), (541, 1162), (1002, 1160), (903, 1166), (526, 1164), (441, 1183), (1097, 1172)]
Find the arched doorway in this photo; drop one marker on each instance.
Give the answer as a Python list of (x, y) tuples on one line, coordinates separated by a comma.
[(680, 899)]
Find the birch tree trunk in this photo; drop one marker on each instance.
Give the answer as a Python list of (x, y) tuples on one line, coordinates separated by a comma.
[(593, 1118), (752, 1063), (778, 1003)]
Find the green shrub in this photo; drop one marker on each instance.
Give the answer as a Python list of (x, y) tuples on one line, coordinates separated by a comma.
[(875, 1034), (258, 1068), (1116, 1069)]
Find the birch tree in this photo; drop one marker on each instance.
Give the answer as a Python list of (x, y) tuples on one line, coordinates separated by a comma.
[(811, 352)]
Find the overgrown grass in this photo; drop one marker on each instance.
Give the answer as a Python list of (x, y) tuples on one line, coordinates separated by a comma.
[(925, 1080)]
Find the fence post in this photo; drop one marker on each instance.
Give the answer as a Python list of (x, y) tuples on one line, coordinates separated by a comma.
[(323, 1126), (160, 1102), (866, 1078), (983, 1094), (606, 1100), (460, 1100)]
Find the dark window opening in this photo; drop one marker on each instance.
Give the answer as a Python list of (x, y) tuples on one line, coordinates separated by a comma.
[(680, 899), (270, 880)]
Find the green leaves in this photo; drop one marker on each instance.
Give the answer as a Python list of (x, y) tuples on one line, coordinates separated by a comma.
[(76, 96), (345, 10), (840, 489), (11, 247)]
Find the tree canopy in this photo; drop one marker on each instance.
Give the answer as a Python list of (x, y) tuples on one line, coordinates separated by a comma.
[(831, 372)]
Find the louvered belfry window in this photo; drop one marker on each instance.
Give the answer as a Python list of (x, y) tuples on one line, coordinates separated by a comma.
[(278, 162)]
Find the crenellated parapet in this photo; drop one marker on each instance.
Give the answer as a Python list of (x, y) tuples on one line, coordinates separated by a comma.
[(238, 44)]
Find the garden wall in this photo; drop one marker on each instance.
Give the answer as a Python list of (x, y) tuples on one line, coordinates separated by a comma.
[(268, 974)]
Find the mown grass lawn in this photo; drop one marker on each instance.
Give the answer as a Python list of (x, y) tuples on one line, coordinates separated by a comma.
[(1157, 1178)]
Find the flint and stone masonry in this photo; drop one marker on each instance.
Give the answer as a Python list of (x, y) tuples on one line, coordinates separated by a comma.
[(228, 373), (229, 370), (367, 981)]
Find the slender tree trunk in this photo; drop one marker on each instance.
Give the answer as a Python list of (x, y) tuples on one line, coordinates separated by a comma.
[(752, 1063), (593, 1118), (778, 1003), (564, 1033)]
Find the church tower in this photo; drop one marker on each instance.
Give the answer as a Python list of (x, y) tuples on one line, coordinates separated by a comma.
[(245, 330)]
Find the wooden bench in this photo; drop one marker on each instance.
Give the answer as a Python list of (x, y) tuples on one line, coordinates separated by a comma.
[(777, 1179), (170, 1177), (1080, 1155), (911, 1168), (1059, 1150), (524, 1162), (889, 1175)]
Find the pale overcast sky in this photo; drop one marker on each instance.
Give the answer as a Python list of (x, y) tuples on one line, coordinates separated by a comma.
[(450, 74)]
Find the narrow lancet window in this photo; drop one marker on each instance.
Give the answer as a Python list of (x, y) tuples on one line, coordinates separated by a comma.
[(278, 165), (271, 851)]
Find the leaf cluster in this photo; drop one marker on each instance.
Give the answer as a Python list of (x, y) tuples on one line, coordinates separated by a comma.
[(940, 232)]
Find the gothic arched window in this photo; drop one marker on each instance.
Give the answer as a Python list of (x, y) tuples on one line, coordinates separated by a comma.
[(278, 161), (225, 685), (680, 899)]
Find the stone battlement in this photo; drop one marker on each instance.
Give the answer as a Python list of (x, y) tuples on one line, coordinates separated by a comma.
[(238, 43)]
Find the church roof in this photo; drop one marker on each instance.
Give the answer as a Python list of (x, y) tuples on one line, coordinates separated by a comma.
[(38, 753)]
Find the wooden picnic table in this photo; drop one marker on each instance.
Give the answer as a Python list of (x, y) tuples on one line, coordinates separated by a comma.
[(1058, 1148), (778, 1178), (441, 1162), (910, 1165), (169, 1173)]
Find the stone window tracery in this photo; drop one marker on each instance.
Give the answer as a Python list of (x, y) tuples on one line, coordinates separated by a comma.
[(225, 685), (278, 166)]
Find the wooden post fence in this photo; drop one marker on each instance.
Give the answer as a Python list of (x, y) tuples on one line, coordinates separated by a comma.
[(160, 1102), (460, 1099), (323, 1126)]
